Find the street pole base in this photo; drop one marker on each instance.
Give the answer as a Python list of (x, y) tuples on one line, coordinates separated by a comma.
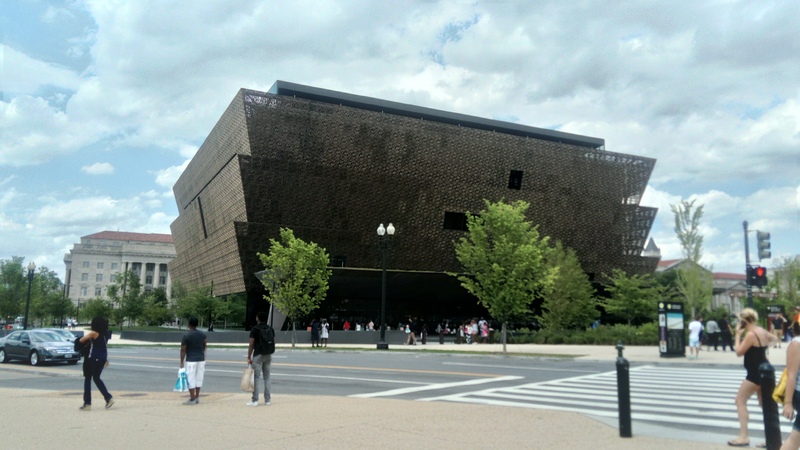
[(383, 346)]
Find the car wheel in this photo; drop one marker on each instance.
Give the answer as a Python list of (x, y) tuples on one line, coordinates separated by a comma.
[(73, 362), (35, 358), (3, 357)]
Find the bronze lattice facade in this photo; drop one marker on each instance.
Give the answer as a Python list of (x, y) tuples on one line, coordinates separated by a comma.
[(332, 166)]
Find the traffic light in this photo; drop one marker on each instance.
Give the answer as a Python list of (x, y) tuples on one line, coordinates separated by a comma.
[(757, 276), (763, 245)]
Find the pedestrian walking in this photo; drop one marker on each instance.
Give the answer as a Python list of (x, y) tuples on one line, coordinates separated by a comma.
[(94, 364), (752, 343), (259, 356), (792, 397), (193, 351)]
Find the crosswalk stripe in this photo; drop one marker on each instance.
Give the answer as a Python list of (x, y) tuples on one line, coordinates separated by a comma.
[(691, 396)]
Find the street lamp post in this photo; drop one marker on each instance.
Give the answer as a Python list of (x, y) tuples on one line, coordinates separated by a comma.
[(31, 269), (385, 237)]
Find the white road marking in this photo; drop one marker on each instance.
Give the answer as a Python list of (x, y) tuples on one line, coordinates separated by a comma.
[(431, 387)]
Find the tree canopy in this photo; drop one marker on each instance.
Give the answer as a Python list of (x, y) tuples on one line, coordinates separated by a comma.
[(300, 274), (570, 302), (632, 298), (504, 261), (687, 228)]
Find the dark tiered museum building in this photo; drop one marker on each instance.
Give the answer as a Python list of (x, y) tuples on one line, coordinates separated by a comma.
[(333, 166)]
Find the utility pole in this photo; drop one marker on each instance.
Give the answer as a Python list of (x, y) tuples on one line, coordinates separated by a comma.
[(747, 268)]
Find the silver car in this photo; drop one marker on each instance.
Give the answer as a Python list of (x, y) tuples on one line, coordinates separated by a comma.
[(37, 346)]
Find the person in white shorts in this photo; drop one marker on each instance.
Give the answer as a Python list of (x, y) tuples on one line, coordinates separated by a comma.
[(193, 350), (695, 327)]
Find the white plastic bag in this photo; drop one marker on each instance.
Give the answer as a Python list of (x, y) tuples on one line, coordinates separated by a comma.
[(248, 381), (181, 384)]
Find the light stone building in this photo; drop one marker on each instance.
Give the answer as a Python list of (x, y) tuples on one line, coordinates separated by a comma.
[(95, 262)]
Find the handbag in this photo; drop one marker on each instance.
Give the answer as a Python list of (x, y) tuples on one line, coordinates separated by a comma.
[(779, 393), (182, 383), (248, 380)]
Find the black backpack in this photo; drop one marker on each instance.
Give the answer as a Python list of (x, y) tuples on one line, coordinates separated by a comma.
[(266, 340)]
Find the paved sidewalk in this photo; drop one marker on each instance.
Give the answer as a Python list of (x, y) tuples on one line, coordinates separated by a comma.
[(44, 419)]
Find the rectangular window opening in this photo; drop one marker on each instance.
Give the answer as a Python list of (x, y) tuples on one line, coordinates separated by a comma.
[(515, 180), (455, 221)]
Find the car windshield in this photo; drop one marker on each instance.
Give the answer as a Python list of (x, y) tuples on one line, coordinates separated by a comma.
[(46, 337), (66, 335)]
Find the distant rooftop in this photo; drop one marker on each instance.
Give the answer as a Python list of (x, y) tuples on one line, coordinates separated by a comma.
[(433, 115), (125, 236)]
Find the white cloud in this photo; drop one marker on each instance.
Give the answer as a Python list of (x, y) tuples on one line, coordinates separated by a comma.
[(167, 177), (709, 90), (23, 74), (98, 169)]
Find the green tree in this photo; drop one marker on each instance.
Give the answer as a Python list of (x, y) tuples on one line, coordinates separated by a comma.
[(156, 310), (696, 285), (51, 303), (632, 298), (504, 261), (13, 288), (97, 307), (570, 302), (301, 274), (234, 309), (126, 293), (785, 280), (687, 228)]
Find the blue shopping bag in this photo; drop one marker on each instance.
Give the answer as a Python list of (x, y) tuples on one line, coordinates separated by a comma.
[(181, 384)]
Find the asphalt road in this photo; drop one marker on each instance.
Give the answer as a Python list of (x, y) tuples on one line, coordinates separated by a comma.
[(305, 372)]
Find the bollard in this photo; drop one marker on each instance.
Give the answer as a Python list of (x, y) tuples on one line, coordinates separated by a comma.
[(624, 393), (772, 426)]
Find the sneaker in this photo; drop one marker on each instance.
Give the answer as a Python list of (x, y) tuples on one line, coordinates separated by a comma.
[(269, 402), (85, 407), (110, 403), (191, 401), (252, 404)]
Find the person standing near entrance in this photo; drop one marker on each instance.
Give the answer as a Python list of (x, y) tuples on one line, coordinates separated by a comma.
[(777, 328), (193, 350), (725, 333), (712, 328), (259, 356), (695, 328), (324, 332)]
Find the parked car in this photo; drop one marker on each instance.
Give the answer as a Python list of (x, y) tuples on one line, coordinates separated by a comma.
[(37, 346), (66, 334)]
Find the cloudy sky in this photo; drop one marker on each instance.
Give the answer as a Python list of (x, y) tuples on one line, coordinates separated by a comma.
[(104, 102)]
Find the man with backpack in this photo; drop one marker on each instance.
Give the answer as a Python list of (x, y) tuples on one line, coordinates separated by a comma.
[(259, 356)]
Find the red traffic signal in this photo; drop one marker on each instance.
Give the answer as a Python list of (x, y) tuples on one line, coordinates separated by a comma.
[(757, 276)]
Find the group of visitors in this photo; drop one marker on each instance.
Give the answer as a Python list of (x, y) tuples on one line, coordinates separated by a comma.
[(94, 347), (320, 333), (715, 332)]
